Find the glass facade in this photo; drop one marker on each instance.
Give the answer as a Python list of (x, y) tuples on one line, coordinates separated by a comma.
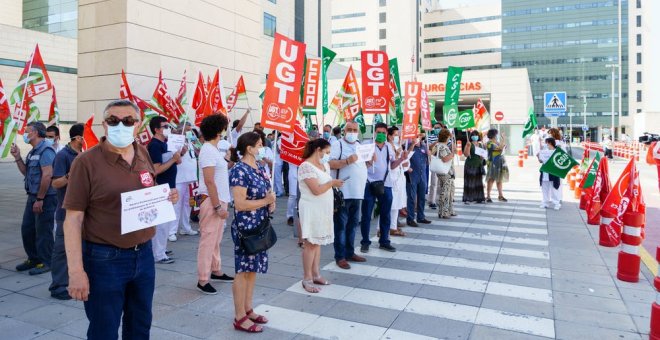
[(565, 47), (58, 17)]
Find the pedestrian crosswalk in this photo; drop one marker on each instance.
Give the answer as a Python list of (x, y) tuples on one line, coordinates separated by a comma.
[(432, 276)]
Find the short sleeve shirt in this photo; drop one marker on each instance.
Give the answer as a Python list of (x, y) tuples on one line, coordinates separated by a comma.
[(356, 173), (41, 156), (61, 167), (379, 169), (419, 162), (159, 154), (97, 179), (210, 156)]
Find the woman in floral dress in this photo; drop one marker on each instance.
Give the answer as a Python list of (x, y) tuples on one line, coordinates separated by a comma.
[(445, 181), (253, 202)]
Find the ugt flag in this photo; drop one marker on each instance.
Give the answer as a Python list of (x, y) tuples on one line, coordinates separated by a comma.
[(375, 82), (559, 164), (411, 110), (293, 144)]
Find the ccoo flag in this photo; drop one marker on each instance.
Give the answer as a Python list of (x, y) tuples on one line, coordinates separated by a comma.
[(530, 125), (559, 164)]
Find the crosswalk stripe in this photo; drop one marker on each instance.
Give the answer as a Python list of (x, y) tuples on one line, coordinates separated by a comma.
[(435, 308), (462, 263), (454, 282), (490, 219), (473, 247), (327, 328), (477, 236), (457, 224), (499, 212)]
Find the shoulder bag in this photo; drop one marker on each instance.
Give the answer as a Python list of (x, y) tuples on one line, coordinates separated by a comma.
[(260, 239), (377, 188), (437, 166), (336, 192)]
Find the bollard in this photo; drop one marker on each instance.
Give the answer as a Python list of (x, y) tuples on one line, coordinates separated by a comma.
[(571, 179), (631, 240), (655, 307), (520, 158), (525, 152), (459, 148), (578, 189), (603, 238)]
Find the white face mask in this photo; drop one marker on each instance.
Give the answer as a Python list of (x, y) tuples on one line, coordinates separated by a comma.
[(396, 140), (352, 137), (261, 154), (120, 136), (325, 158), (166, 132)]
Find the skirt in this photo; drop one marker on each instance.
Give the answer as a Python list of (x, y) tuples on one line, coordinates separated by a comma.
[(497, 170), (473, 184)]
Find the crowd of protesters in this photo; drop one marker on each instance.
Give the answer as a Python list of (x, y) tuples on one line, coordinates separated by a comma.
[(224, 175)]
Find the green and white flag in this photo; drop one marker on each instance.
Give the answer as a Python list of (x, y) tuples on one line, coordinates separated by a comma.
[(396, 86), (432, 109), (593, 170), (559, 164), (327, 56), (531, 124), (452, 91), (463, 120), (359, 118)]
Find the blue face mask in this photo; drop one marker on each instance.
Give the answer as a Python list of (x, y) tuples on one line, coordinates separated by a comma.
[(120, 136), (326, 135), (191, 136), (25, 138), (49, 141), (474, 138), (436, 131), (261, 155)]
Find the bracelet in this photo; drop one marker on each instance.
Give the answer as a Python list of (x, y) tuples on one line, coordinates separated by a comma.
[(346, 161), (39, 199)]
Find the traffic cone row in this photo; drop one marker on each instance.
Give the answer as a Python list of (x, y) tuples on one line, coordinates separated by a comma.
[(655, 307), (631, 240), (459, 148), (520, 158)]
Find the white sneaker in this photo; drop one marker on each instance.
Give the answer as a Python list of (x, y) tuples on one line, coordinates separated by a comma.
[(543, 206), (191, 232), (172, 238), (557, 207)]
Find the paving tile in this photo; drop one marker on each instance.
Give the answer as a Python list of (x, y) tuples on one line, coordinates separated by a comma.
[(363, 314), (160, 333), (520, 306), (303, 303), (54, 335), (76, 328), (463, 272), (433, 327), (589, 302), (15, 329), (596, 318), (16, 304), (463, 297), (570, 331), (20, 281), (51, 316), (194, 324), (643, 323), (483, 332), (571, 286), (176, 296), (521, 280), (390, 286)]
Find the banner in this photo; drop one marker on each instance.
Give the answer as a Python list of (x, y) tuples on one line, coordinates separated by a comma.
[(54, 112), (395, 87), (328, 55), (425, 116), (239, 92), (531, 124), (559, 163), (161, 99), (375, 78), (89, 137), (413, 93), (281, 102), (465, 120), (625, 197), (147, 111), (199, 100), (293, 144), (311, 87)]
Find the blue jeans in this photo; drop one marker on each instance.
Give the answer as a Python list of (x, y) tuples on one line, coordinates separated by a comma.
[(37, 230), (58, 266), (346, 221), (385, 205), (416, 190), (120, 281)]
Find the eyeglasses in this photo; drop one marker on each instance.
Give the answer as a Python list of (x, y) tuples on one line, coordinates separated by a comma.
[(114, 121)]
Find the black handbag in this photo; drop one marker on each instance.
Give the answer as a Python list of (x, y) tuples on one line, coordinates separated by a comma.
[(260, 239), (338, 199)]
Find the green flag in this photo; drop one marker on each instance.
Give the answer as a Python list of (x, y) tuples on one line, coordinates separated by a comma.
[(593, 169), (359, 118), (453, 85), (559, 164), (327, 56), (308, 123), (531, 124), (432, 109), (449, 115), (398, 101)]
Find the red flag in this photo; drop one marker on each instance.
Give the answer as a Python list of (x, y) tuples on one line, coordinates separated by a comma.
[(199, 99), (238, 93), (631, 201), (5, 113), (181, 96), (612, 202), (54, 112), (411, 109), (293, 144), (350, 96), (215, 101), (89, 138), (124, 89), (282, 96), (425, 116), (311, 90), (375, 77), (599, 190), (171, 109), (34, 80)]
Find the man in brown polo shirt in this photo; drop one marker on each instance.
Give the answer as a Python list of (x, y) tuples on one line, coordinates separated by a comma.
[(110, 272)]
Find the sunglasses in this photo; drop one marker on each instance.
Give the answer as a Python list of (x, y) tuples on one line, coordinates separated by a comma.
[(114, 121)]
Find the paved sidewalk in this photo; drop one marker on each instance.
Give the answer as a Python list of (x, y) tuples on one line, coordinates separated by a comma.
[(497, 271)]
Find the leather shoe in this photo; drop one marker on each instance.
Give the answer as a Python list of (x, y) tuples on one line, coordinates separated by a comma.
[(425, 221), (289, 221), (412, 224), (357, 258), (343, 264)]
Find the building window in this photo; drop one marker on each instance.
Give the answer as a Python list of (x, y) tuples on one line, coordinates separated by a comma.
[(639, 77), (270, 24), (349, 15), (639, 96), (351, 44), (639, 21), (349, 30), (382, 48), (299, 21), (639, 3), (639, 58), (382, 17), (382, 33), (639, 40), (383, 3), (273, 1), (54, 17)]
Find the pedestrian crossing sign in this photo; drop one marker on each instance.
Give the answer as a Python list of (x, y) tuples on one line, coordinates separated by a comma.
[(554, 104)]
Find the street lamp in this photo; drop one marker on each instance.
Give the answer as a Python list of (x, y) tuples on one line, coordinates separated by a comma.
[(570, 122), (612, 66), (584, 112)]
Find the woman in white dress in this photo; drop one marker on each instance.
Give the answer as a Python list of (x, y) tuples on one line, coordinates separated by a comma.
[(398, 179), (315, 209)]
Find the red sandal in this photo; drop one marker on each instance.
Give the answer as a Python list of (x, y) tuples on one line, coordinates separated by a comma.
[(259, 319), (252, 329)]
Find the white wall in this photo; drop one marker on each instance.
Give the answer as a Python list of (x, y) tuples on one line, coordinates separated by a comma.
[(11, 12)]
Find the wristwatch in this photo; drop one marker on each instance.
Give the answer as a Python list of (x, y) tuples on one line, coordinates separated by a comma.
[(39, 199)]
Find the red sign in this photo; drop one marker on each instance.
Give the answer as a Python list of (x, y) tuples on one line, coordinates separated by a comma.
[(375, 82), (499, 115), (282, 96), (293, 144), (413, 92), (425, 116), (312, 83)]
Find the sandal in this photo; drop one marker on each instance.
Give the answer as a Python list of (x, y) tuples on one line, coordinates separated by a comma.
[(259, 319), (488, 200), (397, 233), (308, 285), (502, 199), (321, 281), (254, 328)]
